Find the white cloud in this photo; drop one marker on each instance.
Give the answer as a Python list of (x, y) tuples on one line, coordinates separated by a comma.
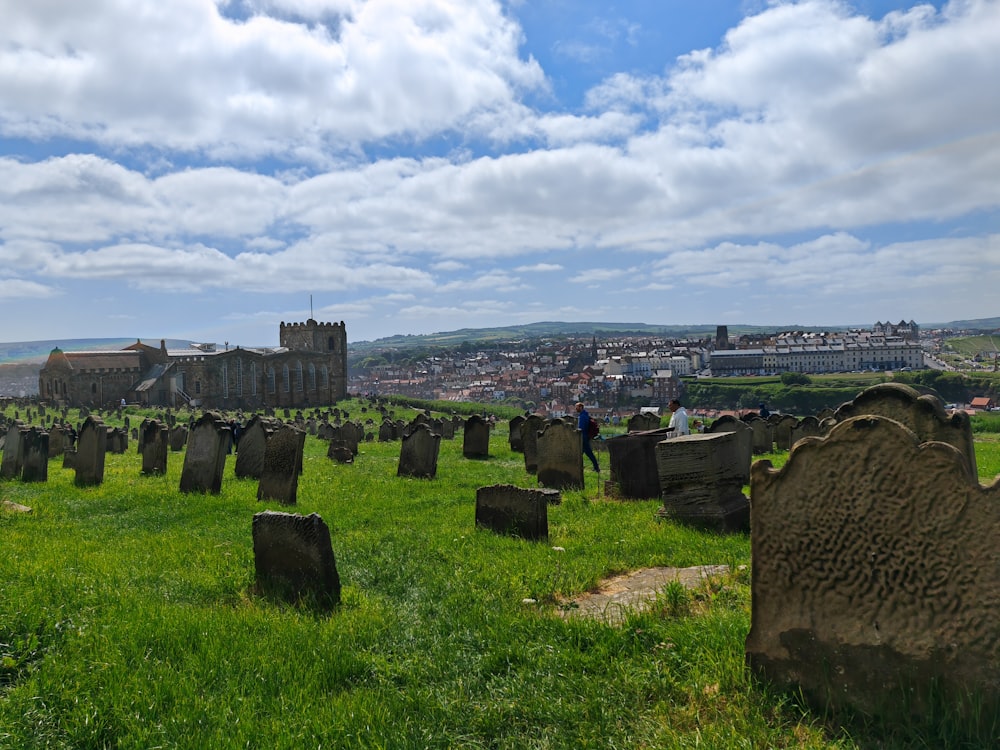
[(21, 288)]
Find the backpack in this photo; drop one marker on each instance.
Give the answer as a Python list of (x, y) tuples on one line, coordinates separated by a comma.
[(593, 429)]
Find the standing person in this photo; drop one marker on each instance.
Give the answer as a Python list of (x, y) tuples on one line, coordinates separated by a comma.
[(583, 424), (763, 411), (678, 418)]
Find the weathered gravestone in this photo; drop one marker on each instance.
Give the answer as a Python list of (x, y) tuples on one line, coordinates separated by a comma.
[(293, 558), (350, 434), (808, 426), (69, 458), (763, 441), (117, 440), (643, 422), (514, 439), (418, 453), (744, 440), (91, 447), (178, 437), (57, 440), (560, 456), (876, 575), (386, 431), (476, 439), (532, 425), (282, 463), (13, 451), (154, 439), (701, 481), (924, 414), (340, 452), (633, 464), (205, 457), (35, 444), (507, 509), (783, 427), (253, 444), (447, 428)]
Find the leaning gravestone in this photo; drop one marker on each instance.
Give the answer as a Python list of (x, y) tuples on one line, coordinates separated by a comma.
[(418, 453), (922, 413), (91, 447), (633, 464), (476, 439), (13, 451), (35, 443), (282, 460), (154, 438), (205, 458), (293, 558), (507, 509), (514, 434), (875, 575), (560, 456), (701, 480), (530, 428), (253, 444)]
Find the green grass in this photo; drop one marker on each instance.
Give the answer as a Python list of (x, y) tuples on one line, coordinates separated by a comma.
[(128, 620)]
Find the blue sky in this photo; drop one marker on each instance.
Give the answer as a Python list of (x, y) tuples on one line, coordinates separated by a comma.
[(203, 169)]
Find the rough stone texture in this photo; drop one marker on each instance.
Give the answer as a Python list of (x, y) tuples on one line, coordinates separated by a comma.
[(69, 458), (560, 456), (633, 464), (476, 439), (205, 458), (340, 452), (386, 431), (744, 439), (783, 427), (13, 451), (253, 444), (154, 439), (514, 434), (91, 444), (35, 445), (448, 429), (282, 459), (12, 507), (178, 437), (763, 440), (701, 480), (418, 453), (923, 414), (806, 427), (57, 441), (507, 509), (876, 573), (293, 557), (643, 422), (533, 424)]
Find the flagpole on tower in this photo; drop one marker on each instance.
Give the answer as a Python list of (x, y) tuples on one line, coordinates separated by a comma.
[(310, 306)]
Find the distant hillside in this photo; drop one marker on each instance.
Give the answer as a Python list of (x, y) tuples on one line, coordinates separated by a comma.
[(38, 351)]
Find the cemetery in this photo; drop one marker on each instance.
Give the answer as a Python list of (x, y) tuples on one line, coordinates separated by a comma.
[(399, 577)]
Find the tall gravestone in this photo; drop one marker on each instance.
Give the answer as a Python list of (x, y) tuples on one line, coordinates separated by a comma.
[(560, 456), (253, 444), (517, 511), (633, 464), (154, 439), (783, 427), (532, 425), (476, 438), (386, 431), (701, 481), (514, 434), (57, 440), (178, 437), (876, 576), (13, 451), (763, 441), (282, 462), (205, 457), (92, 444), (418, 453), (293, 558), (35, 443)]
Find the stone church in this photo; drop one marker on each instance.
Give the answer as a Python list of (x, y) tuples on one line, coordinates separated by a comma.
[(308, 368)]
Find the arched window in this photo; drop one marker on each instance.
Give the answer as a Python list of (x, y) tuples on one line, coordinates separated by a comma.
[(331, 344), (272, 386), (253, 378), (312, 377), (239, 377), (325, 374), (225, 380), (287, 381), (298, 376)]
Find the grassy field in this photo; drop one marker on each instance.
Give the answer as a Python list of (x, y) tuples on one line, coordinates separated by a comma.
[(128, 620)]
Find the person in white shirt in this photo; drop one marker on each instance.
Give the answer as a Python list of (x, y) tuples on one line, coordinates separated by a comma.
[(678, 418)]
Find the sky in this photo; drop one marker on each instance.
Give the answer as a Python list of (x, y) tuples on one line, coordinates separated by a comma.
[(206, 169)]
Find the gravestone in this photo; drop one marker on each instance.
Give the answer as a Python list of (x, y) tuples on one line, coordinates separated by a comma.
[(386, 431), (643, 422), (69, 458), (922, 413), (92, 444), (783, 427), (57, 440), (701, 481), (516, 511), (560, 456), (763, 441), (282, 465), (253, 444), (340, 452), (117, 440), (35, 446), (205, 457), (633, 464), (13, 451), (514, 434), (447, 429), (875, 575), (808, 426), (293, 558), (418, 453), (178, 437), (476, 439), (154, 439), (532, 425), (744, 439)]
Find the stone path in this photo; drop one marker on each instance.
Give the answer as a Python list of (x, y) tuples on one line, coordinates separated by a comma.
[(635, 591)]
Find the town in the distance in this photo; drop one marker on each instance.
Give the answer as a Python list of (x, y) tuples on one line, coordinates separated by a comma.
[(616, 372)]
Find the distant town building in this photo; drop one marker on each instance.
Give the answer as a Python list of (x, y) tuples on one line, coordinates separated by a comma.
[(308, 368)]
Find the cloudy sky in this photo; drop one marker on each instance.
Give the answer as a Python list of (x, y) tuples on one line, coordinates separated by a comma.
[(202, 169)]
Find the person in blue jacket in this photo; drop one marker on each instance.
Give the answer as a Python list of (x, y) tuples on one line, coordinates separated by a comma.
[(583, 425)]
